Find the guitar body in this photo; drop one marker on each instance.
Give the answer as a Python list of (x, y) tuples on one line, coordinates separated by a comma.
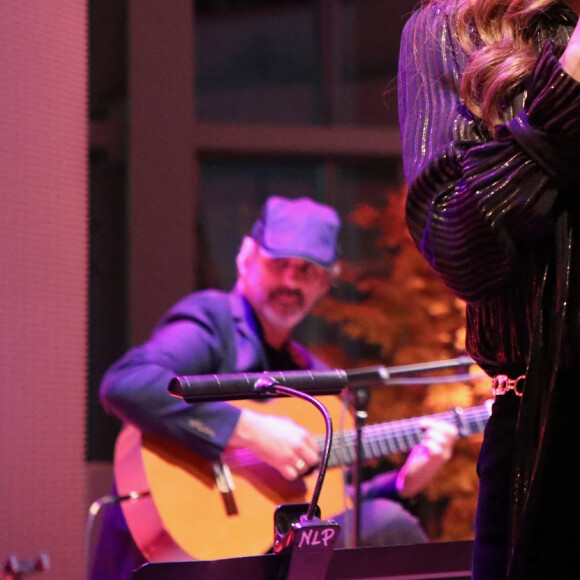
[(190, 508), (186, 516)]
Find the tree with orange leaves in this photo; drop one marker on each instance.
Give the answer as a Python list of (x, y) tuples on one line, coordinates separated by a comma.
[(406, 314)]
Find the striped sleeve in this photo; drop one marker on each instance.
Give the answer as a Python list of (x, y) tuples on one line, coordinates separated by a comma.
[(472, 201)]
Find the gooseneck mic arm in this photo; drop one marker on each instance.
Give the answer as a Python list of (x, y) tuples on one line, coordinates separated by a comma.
[(273, 387), (305, 539)]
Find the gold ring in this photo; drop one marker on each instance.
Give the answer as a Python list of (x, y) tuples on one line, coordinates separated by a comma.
[(300, 465)]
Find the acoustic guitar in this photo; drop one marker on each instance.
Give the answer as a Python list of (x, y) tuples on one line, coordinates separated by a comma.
[(186, 507)]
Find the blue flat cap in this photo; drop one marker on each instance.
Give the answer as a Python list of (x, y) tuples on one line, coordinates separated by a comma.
[(301, 228)]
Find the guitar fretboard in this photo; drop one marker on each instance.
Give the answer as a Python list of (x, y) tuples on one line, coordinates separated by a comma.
[(399, 436)]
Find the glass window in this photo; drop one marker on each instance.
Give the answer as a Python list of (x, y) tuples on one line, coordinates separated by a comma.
[(298, 62), (366, 36), (258, 65)]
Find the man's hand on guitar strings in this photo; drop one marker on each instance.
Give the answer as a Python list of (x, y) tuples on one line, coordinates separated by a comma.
[(278, 441), (427, 457)]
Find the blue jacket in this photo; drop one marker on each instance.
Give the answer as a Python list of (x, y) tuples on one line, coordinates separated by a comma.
[(206, 332)]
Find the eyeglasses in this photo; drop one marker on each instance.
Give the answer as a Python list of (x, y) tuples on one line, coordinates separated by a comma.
[(303, 269)]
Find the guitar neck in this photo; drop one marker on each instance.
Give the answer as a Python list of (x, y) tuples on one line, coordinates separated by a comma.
[(399, 436)]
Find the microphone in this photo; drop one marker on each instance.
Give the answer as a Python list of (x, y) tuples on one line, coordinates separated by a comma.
[(227, 387)]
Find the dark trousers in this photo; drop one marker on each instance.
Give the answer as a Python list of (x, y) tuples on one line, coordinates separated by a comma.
[(494, 468), (547, 546), (384, 522)]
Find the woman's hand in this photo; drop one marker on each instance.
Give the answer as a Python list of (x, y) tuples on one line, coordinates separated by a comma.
[(570, 60)]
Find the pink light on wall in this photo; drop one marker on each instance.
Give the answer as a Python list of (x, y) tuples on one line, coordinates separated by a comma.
[(43, 281)]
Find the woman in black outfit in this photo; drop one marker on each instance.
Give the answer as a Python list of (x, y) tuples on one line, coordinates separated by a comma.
[(489, 99)]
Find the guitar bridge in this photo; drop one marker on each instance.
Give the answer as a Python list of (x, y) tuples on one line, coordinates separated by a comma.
[(225, 485)]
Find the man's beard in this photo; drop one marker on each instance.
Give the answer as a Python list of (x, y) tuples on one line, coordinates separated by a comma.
[(276, 313), (273, 295)]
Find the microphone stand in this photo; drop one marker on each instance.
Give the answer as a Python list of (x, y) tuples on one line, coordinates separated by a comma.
[(360, 399)]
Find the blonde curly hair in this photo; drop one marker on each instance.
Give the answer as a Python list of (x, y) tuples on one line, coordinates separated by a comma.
[(496, 35)]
